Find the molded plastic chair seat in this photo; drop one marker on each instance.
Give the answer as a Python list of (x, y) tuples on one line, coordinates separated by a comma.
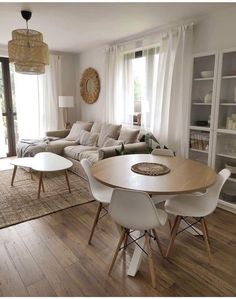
[(188, 205), (161, 152), (135, 210), (195, 205)]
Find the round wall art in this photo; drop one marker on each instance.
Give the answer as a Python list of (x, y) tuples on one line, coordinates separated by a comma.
[(90, 85)]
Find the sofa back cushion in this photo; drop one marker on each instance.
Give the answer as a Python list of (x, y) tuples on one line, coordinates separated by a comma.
[(76, 129), (88, 138), (111, 142), (129, 135), (108, 130), (96, 128)]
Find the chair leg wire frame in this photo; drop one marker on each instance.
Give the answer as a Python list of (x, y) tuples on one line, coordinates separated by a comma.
[(191, 225), (125, 233), (175, 232)]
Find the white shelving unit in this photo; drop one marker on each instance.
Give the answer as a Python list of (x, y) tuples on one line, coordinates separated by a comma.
[(202, 112), (219, 146)]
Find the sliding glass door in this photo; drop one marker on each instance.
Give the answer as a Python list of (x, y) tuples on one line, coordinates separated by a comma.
[(8, 120)]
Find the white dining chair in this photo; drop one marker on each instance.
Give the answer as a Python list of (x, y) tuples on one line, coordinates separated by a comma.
[(100, 193), (157, 199), (197, 207), (163, 152), (135, 210)]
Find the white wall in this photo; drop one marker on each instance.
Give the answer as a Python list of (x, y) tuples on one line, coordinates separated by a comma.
[(216, 31), (68, 69), (212, 32), (94, 58)]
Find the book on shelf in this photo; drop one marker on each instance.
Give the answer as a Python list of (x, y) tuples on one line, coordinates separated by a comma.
[(199, 140)]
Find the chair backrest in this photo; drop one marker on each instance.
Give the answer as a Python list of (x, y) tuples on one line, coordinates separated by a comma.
[(162, 152), (94, 185), (211, 197), (133, 209)]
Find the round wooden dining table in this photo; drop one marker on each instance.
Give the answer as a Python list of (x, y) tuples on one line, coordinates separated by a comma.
[(185, 176)]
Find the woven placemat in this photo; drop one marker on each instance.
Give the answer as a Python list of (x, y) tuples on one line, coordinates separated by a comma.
[(147, 168)]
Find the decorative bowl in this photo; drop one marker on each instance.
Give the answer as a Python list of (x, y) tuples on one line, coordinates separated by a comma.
[(207, 74), (231, 168)]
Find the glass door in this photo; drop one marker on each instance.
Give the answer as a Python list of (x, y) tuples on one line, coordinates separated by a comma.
[(8, 122)]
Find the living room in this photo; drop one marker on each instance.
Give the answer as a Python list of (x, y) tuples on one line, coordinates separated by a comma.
[(117, 149)]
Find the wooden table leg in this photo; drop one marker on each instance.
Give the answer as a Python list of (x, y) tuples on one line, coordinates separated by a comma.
[(40, 183), (67, 180), (13, 175), (31, 174), (43, 185)]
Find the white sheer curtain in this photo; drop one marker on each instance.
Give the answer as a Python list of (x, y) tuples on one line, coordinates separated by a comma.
[(2, 137), (170, 110), (150, 73), (37, 101), (119, 86)]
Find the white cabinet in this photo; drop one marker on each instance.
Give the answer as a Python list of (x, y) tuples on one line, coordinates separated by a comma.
[(212, 131), (202, 107)]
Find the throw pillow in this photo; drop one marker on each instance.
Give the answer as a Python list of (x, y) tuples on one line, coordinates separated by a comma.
[(88, 138), (108, 130), (77, 128), (129, 135), (111, 142), (96, 128)]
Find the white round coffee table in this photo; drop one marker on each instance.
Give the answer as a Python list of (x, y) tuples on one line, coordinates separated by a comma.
[(43, 163), (50, 162)]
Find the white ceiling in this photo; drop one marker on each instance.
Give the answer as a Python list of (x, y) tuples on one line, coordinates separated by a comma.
[(74, 27)]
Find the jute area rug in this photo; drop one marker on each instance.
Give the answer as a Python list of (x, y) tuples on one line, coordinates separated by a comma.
[(19, 203)]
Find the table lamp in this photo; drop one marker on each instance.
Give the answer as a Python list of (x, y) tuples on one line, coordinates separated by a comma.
[(66, 102)]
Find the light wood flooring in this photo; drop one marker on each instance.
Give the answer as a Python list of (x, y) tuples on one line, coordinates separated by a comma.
[(50, 256)]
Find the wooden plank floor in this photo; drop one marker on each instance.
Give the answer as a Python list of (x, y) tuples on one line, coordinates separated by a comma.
[(50, 257)]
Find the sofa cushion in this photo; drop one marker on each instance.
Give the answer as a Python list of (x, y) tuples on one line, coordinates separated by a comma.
[(111, 142), (88, 138), (96, 128), (57, 146), (129, 135), (74, 151), (92, 156), (75, 131), (108, 130)]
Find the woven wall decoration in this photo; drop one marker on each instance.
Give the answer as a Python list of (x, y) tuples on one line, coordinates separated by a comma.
[(90, 85)]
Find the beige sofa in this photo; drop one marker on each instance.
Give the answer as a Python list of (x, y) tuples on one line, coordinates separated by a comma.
[(94, 141)]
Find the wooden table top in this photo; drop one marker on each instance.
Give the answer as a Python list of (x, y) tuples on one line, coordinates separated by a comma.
[(185, 175)]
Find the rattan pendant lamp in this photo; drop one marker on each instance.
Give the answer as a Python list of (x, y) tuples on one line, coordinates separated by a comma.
[(27, 50)]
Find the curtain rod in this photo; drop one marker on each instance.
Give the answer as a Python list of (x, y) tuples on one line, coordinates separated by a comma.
[(148, 33)]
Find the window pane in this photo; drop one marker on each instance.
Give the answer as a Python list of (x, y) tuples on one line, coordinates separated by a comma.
[(12, 70)]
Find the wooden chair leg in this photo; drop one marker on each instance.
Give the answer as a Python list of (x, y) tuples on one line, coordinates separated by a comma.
[(205, 236), (172, 227), (158, 241), (126, 238), (95, 222), (122, 236), (206, 230), (173, 235), (150, 260)]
